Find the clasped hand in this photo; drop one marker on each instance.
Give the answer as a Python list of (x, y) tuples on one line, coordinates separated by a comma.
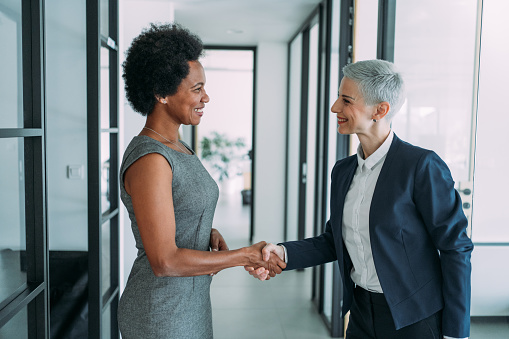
[(273, 261)]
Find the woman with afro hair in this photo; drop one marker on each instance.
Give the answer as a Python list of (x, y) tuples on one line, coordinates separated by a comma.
[(170, 196)]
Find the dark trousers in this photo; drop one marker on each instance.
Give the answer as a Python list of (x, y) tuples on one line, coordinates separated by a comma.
[(370, 318)]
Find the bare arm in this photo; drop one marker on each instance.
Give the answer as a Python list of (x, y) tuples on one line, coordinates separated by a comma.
[(148, 181)]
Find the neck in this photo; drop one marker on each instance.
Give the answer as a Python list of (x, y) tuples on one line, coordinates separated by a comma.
[(372, 141), (164, 126)]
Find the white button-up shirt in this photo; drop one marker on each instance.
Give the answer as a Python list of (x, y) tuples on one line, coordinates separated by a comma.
[(356, 216)]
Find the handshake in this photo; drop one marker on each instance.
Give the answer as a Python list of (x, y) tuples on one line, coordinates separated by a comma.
[(266, 259)]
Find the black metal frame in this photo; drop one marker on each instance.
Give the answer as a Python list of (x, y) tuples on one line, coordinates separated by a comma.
[(33, 294), (253, 132), (97, 302), (386, 29), (323, 148), (304, 93)]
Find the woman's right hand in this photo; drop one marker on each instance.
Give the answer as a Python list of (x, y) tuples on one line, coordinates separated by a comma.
[(274, 265)]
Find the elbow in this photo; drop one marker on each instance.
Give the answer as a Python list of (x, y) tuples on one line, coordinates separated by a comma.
[(158, 271), (164, 268)]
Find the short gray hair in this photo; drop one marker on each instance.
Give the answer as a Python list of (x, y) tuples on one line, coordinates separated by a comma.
[(378, 81)]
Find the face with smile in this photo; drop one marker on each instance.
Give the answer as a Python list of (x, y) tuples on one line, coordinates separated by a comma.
[(186, 106), (354, 116)]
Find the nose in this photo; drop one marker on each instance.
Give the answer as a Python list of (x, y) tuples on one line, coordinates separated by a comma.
[(205, 98), (336, 106)]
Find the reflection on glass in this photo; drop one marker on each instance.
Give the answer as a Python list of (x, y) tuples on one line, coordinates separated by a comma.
[(11, 85), (366, 30), (105, 88), (12, 210), (292, 177), (105, 256), (489, 218), (327, 290), (104, 15), (17, 327), (105, 172), (435, 51), (106, 323), (311, 131)]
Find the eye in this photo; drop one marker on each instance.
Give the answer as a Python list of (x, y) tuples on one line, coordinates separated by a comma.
[(197, 89), (346, 101)]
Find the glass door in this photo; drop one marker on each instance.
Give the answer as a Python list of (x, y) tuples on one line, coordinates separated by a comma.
[(490, 233), (103, 164), (439, 66), (224, 139), (23, 252)]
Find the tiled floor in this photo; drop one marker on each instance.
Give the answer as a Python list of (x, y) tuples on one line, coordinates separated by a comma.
[(245, 308)]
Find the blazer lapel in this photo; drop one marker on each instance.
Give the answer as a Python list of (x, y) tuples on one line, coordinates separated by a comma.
[(383, 178)]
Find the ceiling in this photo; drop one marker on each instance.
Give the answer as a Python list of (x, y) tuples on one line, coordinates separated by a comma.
[(243, 22)]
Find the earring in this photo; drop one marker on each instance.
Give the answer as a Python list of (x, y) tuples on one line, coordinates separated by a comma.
[(163, 101), (374, 120)]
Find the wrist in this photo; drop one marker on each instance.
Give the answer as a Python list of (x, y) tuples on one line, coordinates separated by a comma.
[(246, 256)]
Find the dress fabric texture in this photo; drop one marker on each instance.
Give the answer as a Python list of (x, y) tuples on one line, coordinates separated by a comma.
[(170, 307)]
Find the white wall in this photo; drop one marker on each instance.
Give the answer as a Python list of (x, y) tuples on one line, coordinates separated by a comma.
[(270, 148)]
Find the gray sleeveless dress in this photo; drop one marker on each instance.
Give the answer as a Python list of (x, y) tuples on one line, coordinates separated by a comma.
[(170, 307)]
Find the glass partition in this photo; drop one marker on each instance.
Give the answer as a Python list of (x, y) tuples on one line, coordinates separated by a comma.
[(12, 209), (332, 138), (490, 278), (312, 118), (11, 84), (436, 52), (105, 88), (293, 150), (17, 327)]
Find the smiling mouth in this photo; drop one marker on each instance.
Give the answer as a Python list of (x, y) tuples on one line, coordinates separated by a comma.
[(342, 120), (198, 110)]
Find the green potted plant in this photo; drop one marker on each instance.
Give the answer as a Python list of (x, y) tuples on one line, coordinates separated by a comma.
[(224, 155)]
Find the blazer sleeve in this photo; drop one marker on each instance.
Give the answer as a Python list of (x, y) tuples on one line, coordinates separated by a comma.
[(311, 251), (441, 209)]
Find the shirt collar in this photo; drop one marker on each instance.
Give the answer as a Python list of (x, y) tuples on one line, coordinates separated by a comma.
[(374, 158)]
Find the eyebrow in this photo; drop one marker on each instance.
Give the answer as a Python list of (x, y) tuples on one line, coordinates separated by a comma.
[(347, 96), (198, 84)]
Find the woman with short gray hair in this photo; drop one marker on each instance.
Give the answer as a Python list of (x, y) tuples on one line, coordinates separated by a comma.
[(396, 228)]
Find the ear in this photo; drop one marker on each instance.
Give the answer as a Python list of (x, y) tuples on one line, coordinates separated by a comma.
[(381, 110), (161, 100)]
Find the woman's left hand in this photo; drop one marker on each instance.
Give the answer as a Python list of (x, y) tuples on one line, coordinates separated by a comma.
[(217, 243)]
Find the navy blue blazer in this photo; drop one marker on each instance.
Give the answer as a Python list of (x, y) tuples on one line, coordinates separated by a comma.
[(418, 238)]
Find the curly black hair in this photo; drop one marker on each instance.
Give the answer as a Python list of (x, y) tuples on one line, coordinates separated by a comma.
[(157, 62)]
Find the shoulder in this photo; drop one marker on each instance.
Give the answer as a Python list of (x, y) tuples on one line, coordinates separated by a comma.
[(410, 154), (151, 151), (422, 159), (345, 163)]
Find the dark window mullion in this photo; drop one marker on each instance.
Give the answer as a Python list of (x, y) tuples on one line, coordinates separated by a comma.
[(94, 169), (114, 169), (386, 29), (34, 158), (301, 230)]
